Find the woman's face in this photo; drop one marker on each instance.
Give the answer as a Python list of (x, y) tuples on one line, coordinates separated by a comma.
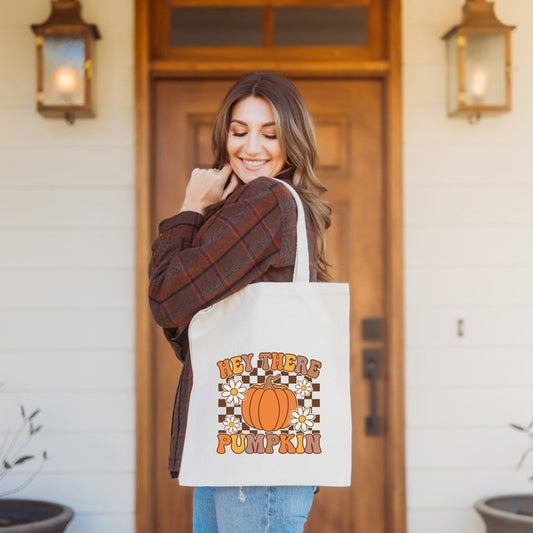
[(253, 147)]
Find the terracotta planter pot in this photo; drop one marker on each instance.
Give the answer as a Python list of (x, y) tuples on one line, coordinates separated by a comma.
[(507, 514), (33, 516)]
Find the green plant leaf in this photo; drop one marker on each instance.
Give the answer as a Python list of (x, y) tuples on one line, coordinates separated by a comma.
[(34, 430), (45, 455), (7, 466), (519, 428), (23, 413), (23, 459), (34, 414)]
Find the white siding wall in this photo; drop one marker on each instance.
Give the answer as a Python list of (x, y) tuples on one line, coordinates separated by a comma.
[(67, 271), (469, 255)]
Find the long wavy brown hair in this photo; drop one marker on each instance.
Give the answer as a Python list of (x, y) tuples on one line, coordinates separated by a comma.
[(296, 134)]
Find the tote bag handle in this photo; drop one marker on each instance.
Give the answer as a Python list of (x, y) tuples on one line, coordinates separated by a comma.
[(301, 264)]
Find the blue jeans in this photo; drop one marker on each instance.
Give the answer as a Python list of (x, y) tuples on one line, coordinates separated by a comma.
[(251, 509)]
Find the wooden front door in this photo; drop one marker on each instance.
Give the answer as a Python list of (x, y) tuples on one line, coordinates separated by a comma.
[(348, 116)]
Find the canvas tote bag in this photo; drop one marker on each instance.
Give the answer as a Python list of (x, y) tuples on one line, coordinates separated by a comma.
[(270, 401)]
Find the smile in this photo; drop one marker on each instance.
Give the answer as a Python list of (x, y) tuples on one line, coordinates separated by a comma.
[(254, 163)]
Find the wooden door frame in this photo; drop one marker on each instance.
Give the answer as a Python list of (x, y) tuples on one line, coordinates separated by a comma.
[(390, 71)]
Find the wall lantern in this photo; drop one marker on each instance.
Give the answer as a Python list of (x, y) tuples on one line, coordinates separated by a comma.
[(65, 62), (479, 63)]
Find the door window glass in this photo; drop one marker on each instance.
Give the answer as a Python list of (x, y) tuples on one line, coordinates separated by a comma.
[(320, 26), (287, 26), (216, 26)]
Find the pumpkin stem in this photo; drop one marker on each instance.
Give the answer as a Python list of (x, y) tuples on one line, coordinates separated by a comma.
[(269, 380)]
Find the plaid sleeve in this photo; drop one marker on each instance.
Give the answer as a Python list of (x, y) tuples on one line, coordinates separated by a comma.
[(175, 233), (192, 268)]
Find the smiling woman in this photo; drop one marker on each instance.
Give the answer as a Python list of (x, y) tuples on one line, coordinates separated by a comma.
[(253, 146), (237, 226)]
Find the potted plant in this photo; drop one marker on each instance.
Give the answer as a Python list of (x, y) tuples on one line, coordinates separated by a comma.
[(20, 515), (509, 513)]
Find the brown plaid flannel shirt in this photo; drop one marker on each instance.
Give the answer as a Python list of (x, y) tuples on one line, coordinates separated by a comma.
[(197, 262)]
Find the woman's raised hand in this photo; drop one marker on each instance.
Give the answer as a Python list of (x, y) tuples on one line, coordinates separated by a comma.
[(207, 187)]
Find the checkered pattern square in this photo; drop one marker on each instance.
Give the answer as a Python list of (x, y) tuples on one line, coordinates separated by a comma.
[(257, 376)]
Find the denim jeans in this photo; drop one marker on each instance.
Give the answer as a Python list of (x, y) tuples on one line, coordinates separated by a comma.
[(251, 509)]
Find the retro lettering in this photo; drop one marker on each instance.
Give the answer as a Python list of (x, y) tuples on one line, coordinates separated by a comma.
[(231, 366), (290, 363), (269, 443)]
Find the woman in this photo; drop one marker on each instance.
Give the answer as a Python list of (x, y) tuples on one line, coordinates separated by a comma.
[(238, 226)]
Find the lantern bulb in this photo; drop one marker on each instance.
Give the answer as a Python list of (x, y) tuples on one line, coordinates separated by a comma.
[(66, 79), (479, 82)]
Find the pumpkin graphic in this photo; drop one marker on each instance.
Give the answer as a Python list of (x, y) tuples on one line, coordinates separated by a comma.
[(268, 407)]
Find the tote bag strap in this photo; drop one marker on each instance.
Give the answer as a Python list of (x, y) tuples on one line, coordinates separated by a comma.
[(301, 264)]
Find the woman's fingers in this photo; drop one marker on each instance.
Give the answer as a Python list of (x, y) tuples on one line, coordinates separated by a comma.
[(232, 185), (225, 171), (209, 178), (206, 187)]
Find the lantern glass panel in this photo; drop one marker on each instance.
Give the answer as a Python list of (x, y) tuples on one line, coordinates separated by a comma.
[(485, 70), (64, 70), (453, 76)]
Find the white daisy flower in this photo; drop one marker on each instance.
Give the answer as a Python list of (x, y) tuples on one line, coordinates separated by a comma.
[(303, 388), (233, 392), (232, 424), (302, 419)]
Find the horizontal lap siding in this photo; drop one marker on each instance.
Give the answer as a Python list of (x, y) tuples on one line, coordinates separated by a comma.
[(95, 493), (448, 521), (89, 208), (103, 168), (60, 288), (466, 366), (469, 253), (76, 410), (467, 448), (435, 164), (67, 212), (469, 286), (69, 247), (67, 369), (66, 329)]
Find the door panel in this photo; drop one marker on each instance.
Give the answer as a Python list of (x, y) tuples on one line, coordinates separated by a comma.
[(348, 119)]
